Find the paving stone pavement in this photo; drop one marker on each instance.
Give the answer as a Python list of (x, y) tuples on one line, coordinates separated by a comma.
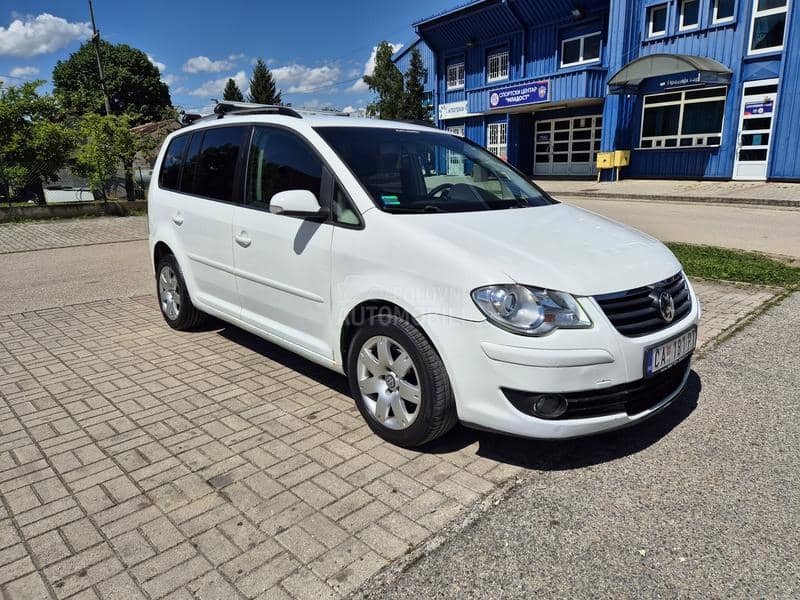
[(140, 462), (38, 235)]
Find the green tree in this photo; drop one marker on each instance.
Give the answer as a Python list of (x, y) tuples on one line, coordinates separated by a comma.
[(262, 86), (415, 108), (107, 142), (232, 92), (387, 81), (34, 142)]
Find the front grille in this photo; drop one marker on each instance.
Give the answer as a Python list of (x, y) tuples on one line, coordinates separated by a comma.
[(635, 312), (631, 398)]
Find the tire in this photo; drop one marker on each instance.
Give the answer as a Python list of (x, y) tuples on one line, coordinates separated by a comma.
[(374, 386), (173, 297)]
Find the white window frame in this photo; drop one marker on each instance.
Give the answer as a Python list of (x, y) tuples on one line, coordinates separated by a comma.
[(459, 82), (723, 95), (581, 60), (497, 55), (498, 148), (715, 20), (650, 10), (683, 26), (766, 13)]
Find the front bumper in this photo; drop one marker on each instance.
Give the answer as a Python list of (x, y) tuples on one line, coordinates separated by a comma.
[(482, 360)]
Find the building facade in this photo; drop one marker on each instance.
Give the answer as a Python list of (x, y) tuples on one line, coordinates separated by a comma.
[(700, 89)]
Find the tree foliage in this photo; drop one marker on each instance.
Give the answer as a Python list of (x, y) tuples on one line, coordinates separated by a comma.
[(387, 81), (415, 107), (34, 142), (263, 89), (232, 92), (133, 83), (106, 142)]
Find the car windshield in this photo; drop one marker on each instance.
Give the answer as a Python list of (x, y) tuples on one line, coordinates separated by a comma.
[(413, 171)]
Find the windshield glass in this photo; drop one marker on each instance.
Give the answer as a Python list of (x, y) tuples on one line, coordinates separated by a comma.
[(419, 171)]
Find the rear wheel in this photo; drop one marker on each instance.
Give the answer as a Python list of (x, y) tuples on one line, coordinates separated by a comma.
[(399, 382), (173, 297)]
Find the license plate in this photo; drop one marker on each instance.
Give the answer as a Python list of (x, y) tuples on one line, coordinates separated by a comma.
[(665, 355)]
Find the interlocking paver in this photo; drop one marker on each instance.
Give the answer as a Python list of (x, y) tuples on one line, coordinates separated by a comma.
[(19, 237), (139, 460)]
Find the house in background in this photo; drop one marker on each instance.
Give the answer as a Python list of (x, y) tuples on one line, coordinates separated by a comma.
[(701, 89)]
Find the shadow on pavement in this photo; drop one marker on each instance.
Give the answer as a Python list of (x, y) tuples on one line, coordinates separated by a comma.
[(543, 455)]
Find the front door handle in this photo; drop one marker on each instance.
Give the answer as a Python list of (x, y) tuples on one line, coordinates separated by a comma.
[(243, 239), (177, 218)]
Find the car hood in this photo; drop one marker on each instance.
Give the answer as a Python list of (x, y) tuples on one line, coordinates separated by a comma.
[(558, 246)]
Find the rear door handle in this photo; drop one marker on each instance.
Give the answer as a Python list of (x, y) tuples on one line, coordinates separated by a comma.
[(243, 239), (177, 218)]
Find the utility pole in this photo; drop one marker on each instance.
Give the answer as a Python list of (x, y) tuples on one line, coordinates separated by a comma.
[(96, 41)]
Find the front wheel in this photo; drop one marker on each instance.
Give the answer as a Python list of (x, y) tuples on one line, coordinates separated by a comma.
[(399, 382)]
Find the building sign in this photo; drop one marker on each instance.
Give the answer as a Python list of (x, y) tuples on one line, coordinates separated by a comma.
[(452, 110), (670, 82), (536, 92), (752, 109)]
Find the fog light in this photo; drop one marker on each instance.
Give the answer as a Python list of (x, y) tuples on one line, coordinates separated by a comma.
[(548, 406)]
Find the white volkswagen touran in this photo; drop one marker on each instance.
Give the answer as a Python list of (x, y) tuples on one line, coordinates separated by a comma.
[(440, 280)]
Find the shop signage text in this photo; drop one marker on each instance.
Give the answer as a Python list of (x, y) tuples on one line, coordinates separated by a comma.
[(758, 108), (517, 95), (452, 110)]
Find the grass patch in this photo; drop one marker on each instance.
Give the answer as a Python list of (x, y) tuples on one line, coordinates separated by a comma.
[(735, 265)]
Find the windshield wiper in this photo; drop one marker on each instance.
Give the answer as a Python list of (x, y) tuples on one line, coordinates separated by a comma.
[(428, 208)]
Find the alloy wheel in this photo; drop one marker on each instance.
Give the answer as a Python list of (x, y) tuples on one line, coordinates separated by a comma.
[(169, 292)]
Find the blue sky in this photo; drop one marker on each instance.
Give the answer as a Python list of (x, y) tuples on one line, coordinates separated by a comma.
[(317, 50)]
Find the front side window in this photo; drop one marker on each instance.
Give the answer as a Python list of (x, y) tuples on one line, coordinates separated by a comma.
[(769, 23), (581, 50), (280, 161), (410, 171), (690, 14), (455, 76), (216, 163), (497, 64), (171, 165), (723, 11), (657, 20), (683, 119)]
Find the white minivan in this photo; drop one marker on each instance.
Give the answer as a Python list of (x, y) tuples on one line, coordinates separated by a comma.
[(439, 279)]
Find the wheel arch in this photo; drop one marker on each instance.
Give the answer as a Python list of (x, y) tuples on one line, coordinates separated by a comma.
[(160, 250)]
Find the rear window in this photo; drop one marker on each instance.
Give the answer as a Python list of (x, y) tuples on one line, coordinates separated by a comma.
[(171, 165)]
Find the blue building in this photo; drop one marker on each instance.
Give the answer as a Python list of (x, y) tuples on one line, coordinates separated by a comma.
[(700, 89)]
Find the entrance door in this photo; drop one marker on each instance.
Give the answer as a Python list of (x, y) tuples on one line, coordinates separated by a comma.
[(455, 162), (755, 129), (567, 147)]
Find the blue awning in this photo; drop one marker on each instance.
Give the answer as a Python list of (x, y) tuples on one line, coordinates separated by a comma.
[(695, 70)]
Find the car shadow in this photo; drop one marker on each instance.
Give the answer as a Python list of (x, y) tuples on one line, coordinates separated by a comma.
[(541, 455)]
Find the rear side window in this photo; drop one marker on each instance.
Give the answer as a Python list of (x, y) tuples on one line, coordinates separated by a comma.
[(171, 165), (216, 164), (190, 163), (280, 161)]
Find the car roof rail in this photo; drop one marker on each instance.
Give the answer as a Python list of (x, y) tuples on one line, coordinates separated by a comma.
[(249, 108), (186, 119)]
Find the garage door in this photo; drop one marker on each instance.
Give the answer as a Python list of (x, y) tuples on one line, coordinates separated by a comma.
[(567, 147)]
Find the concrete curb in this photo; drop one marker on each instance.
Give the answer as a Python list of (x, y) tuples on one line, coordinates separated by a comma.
[(71, 211), (692, 199)]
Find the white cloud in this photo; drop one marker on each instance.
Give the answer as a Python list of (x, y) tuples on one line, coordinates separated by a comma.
[(203, 64), (42, 34), (235, 57), (158, 65), (299, 79), (369, 67), (24, 72), (171, 78), (355, 112), (215, 87)]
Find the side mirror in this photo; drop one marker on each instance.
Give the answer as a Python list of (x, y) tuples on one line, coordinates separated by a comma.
[(297, 203)]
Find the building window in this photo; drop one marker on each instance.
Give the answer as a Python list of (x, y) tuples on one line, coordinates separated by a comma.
[(496, 141), (769, 21), (690, 14), (497, 66), (683, 119), (723, 11), (455, 76), (581, 50), (657, 20)]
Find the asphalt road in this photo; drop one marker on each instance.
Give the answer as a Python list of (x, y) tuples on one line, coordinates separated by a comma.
[(702, 501), (60, 276), (764, 229)]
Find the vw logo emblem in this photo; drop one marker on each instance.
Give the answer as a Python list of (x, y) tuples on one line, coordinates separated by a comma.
[(666, 306)]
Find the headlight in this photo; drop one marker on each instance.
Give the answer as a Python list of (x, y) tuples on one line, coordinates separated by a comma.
[(530, 311)]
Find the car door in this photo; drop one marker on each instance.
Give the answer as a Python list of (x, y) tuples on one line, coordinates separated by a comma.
[(203, 212), (283, 262)]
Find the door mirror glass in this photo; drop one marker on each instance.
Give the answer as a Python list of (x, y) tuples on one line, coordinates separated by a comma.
[(296, 203)]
